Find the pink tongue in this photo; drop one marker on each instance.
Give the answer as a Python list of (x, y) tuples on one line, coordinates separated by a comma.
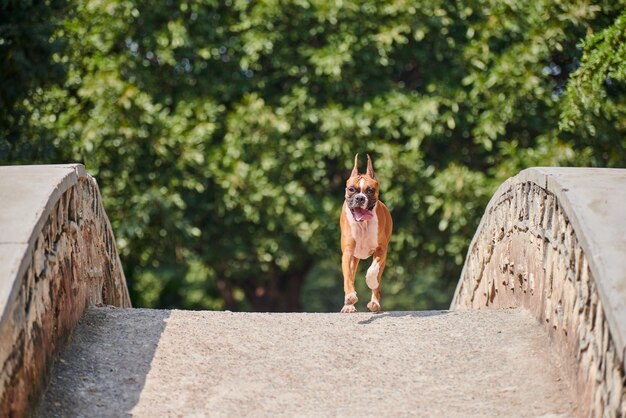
[(362, 214)]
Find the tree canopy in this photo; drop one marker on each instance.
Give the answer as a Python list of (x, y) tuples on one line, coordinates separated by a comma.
[(221, 132)]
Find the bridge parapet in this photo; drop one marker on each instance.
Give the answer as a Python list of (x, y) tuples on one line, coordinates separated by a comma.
[(57, 257), (553, 240)]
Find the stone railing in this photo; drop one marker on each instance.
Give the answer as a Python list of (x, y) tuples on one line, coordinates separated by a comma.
[(553, 240), (57, 256)]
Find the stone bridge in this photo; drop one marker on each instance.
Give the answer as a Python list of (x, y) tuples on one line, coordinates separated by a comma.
[(537, 326)]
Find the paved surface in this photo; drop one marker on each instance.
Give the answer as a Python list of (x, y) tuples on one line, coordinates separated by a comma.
[(150, 363)]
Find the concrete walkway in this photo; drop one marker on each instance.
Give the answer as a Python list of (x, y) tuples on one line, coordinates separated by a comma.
[(156, 363)]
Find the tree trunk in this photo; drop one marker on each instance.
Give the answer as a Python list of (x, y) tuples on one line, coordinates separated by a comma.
[(281, 295)]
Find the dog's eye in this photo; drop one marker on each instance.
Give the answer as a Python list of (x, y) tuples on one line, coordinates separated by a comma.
[(369, 190), (351, 189)]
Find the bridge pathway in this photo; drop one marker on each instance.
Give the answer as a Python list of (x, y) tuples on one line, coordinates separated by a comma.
[(149, 363)]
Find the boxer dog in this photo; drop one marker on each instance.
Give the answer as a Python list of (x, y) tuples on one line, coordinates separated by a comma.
[(366, 227)]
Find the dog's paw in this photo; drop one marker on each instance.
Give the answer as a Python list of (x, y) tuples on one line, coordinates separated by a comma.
[(374, 306), (348, 309), (350, 299)]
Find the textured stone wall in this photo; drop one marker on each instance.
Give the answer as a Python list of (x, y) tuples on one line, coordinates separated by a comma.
[(74, 263), (526, 254)]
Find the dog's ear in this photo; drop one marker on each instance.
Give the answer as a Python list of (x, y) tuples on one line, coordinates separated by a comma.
[(370, 168), (355, 170)]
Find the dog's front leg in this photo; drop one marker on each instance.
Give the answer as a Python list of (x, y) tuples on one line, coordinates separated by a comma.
[(349, 264)]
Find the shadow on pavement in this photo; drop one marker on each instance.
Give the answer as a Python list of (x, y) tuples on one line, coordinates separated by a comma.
[(103, 370), (397, 314)]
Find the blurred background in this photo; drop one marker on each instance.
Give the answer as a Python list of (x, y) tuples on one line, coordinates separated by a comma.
[(221, 132)]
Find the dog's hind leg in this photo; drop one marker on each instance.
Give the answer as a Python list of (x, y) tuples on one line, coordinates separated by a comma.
[(373, 276)]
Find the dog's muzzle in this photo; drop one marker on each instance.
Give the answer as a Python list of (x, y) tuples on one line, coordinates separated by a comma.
[(360, 200), (361, 208)]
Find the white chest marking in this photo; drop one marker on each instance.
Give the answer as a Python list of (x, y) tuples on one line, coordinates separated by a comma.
[(365, 234)]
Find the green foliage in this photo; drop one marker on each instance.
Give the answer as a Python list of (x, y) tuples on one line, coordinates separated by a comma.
[(594, 109), (27, 44), (221, 133)]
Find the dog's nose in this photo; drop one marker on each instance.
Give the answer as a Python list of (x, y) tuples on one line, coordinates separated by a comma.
[(360, 199)]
